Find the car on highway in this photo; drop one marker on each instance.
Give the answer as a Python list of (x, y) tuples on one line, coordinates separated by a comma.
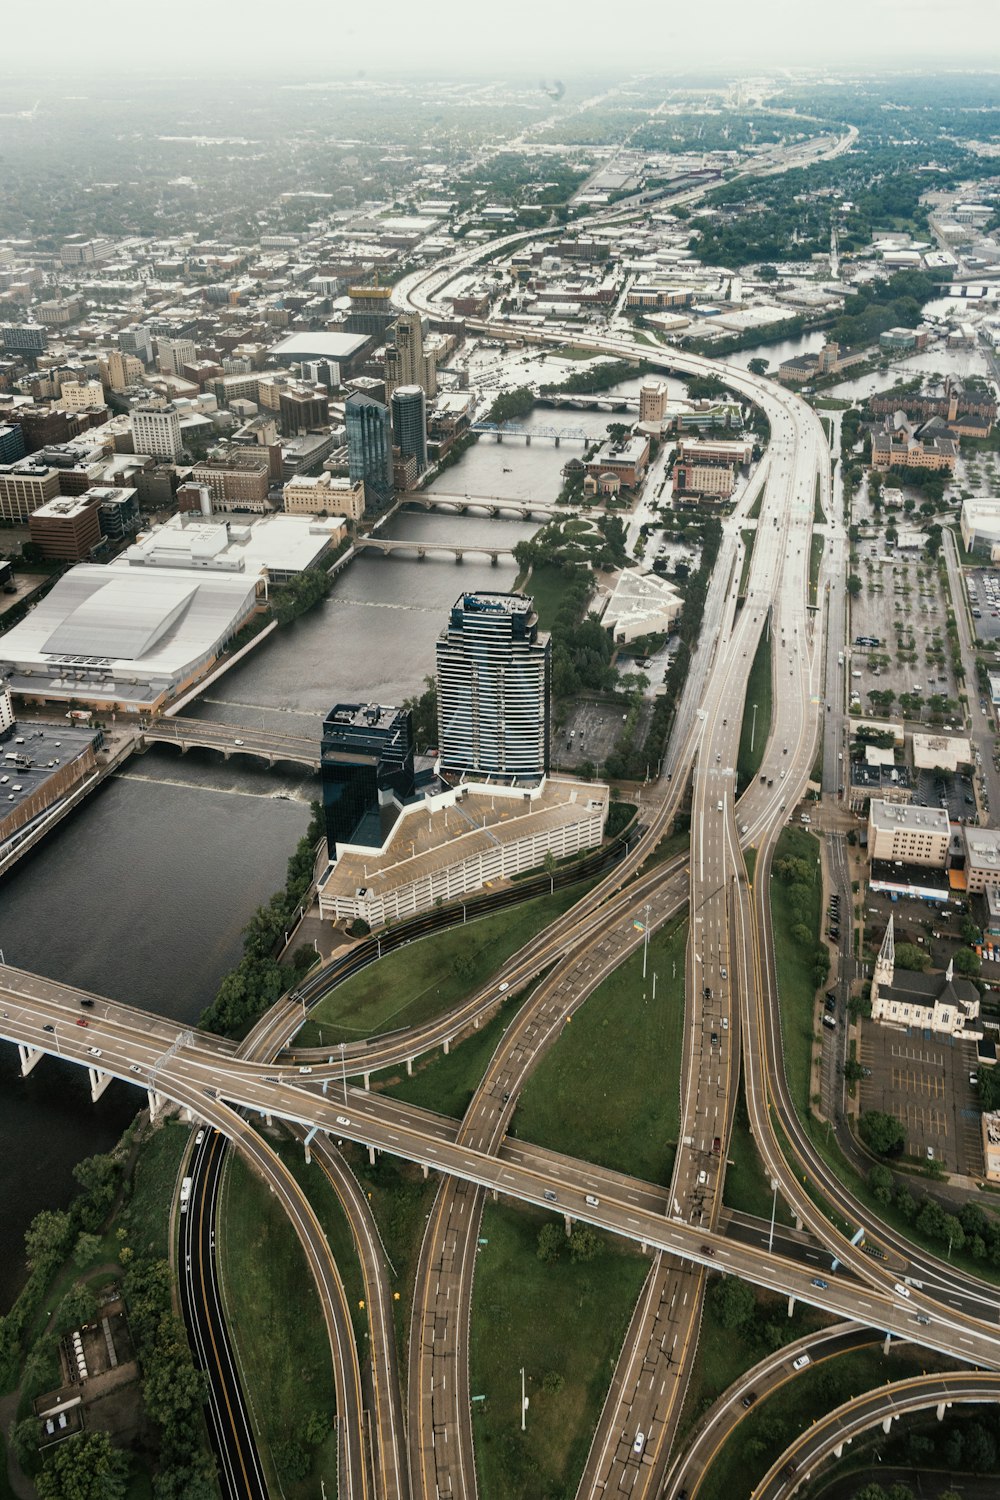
[(343, 1120), (94, 1051), (749, 1399), (640, 1442), (87, 1003), (134, 1068), (818, 1281), (725, 1023), (237, 742), (549, 1195), (901, 1290), (706, 1250), (48, 1028), (81, 1022), (594, 1202), (801, 1362), (305, 1070), (724, 973)]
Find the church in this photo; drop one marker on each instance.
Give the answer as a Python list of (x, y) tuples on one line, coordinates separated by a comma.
[(931, 1002)]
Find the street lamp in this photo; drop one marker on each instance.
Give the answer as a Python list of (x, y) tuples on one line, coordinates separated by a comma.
[(774, 1205), (753, 728)]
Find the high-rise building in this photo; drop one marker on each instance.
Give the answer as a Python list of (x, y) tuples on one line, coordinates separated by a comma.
[(120, 371), (369, 448), (406, 361), (302, 408), (493, 667), (156, 430), (11, 443), (409, 423), (366, 770), (173, 354), (82, 395), (24, 487), (135, 339), (652, 400), (7, 720), (23, 338), (372, 312)]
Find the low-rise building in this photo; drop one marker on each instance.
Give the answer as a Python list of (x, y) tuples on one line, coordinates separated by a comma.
[(66, 529), (627, 460), (900, 449), (715, 480), (940, 752), (642, 603), (990, 1124), (980, 523), (312, 494), (236, 480), (913, 835), (277, 547), (24, 486), (982, 858), (938, 1003), (44, 764), (443, 846)]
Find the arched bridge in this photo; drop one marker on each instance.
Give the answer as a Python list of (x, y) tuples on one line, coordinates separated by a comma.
[(493, 505), (233, 739), (387, 545)]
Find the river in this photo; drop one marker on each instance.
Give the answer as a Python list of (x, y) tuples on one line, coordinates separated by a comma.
[(141, 894)]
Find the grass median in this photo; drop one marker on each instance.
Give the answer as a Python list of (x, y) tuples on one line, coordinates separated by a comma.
[(609, 1089), (796, 914), (563, 1322), (427, 977), (277, 1326), (756, 716)]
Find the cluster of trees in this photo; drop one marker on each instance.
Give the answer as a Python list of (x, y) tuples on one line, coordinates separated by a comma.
[(174, 1392), (798, 877), (300, 593), (876, 306), (967, 1438), (258, 979), (84, 1467), (599, 377), (581, 1245), (423, 707), (510, 405), (51, 1237), (971, 1229)]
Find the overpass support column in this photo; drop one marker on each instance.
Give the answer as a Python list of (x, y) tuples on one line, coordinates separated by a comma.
[(557, 442), (940, 1409), (527, 439), (425, 1169), (838, 1452), (447, 1045), (98, 1083), (887, 1424), (155, 1103), (371, 1156), (409, 1067), (29, 1056), (367, 1080), (569, 1225), (791, 1304), (888, 1342)]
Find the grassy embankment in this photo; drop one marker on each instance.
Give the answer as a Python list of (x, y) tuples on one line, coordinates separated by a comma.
[(749, 535), (815, 558), (755, 729), (429, 976)]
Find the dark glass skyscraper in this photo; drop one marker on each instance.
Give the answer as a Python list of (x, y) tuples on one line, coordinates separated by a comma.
[(409, 423), (493, 668), (369, 448), (366, 765)]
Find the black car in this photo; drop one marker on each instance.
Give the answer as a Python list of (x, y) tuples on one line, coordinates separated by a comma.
[(749, 1398), (831, 1005)]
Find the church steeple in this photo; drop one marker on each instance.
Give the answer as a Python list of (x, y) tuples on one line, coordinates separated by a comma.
[(885, 964)]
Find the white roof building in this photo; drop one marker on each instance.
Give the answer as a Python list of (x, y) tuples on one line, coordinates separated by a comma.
[(107, 635), (275, 546), (940, 751), (642, 603)]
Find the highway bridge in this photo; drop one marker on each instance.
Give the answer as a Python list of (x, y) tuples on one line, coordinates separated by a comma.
[(493, 505)]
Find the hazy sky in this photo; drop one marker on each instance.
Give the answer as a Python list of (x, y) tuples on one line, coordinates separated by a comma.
[(535, 37)]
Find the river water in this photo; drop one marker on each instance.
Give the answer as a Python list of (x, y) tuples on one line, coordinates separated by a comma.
[(141, 894)]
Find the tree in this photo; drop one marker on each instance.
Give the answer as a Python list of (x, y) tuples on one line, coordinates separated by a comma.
[(881, 1133), (84, 1467), (583, 1243), (550, 1243), (86, 1249), (853, 585), (881, 1180), (968, 963), (46, 1236), (909, 956), (757, 366), (734, 1301), (550, 865), (76, 1308)]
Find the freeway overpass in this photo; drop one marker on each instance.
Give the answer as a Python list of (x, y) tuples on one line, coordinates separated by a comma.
[(201, 1074)]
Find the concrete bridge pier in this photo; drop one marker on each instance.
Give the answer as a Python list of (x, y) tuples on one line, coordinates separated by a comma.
[(367, 1081), (888, 1342), (371, 1156), (569, 1225), (459, 555), (838, 1452), (940, 1409), (493, 559), (29, 1056), (557, 441), (99, 1081), (422, 554), (887, 1424), (791, 1304), (156, 1103), (425, 1169), (527, 440), (409, 1067)]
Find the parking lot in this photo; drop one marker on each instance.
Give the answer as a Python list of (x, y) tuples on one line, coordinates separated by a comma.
[(901, 605), (923, 1082), (983, 587), (589, 733)]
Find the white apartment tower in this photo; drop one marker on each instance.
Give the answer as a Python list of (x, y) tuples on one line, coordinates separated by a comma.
[(156, 430)]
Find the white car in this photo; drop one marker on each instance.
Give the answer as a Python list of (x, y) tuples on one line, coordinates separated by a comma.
[(343, 1120)]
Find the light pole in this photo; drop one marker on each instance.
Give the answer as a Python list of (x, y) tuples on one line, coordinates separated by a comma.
[(774, 1205), (343, 1068), (524, 1403), (753, 728), (645, 939)]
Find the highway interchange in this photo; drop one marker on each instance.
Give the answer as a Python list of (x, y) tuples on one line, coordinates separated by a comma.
[(731, 1018)]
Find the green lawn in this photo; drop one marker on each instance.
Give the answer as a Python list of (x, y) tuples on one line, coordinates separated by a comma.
[(819, 517), (153, 1187), (673, 843), (815, 558), (747, 1185), (749, 535), (401, 1198), (447, 1082), (754, 511), (277, 1326), (609, 1089), (548, 588), (748, 762), (794, 959), (777, 1419), (420, 981), (564, 1324), (323, 1196)]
